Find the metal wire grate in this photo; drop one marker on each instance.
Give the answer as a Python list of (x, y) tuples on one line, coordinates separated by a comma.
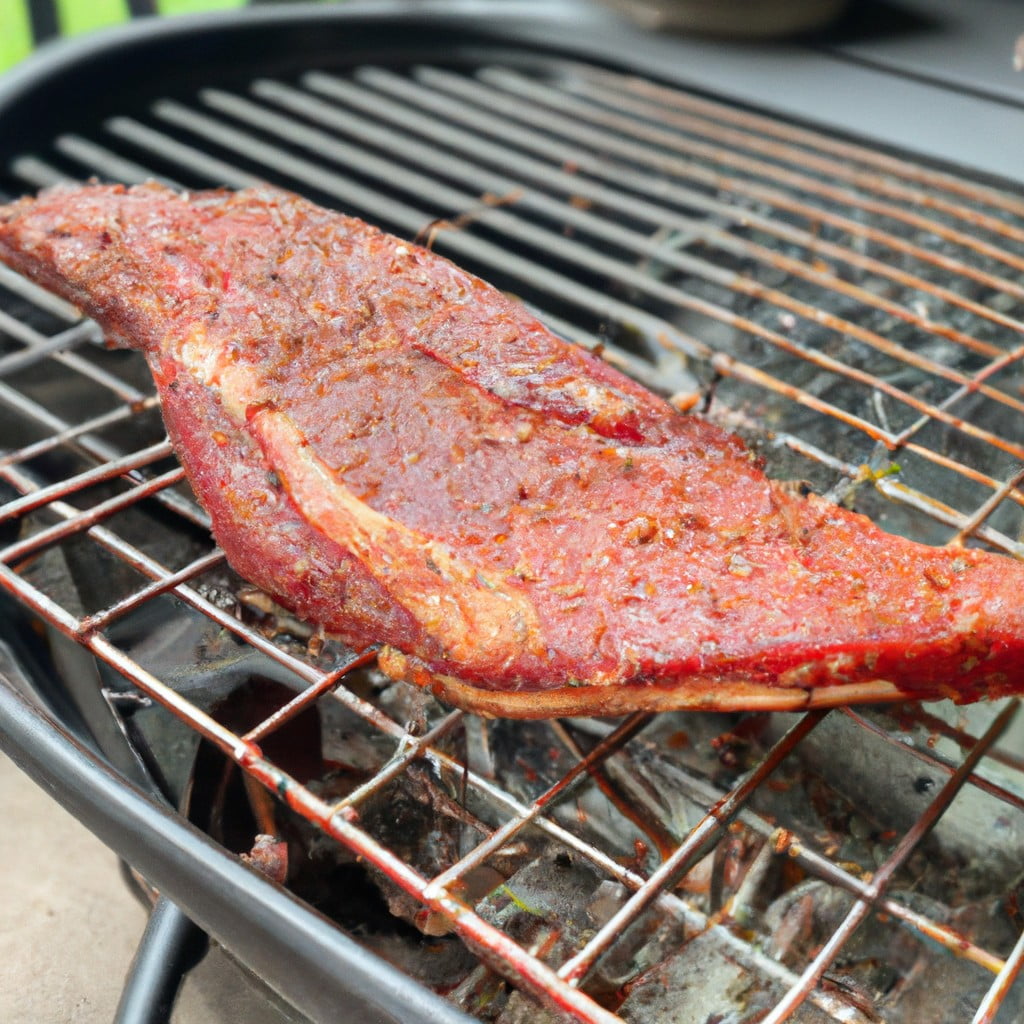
[(856, 316)]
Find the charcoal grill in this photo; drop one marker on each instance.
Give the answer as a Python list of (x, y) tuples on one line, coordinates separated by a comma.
[(854, 311)]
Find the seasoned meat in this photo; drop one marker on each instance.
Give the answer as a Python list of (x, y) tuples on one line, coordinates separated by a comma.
[(398, 452)]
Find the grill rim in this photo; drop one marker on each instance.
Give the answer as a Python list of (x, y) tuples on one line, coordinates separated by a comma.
[(262, 925), (967, 141)]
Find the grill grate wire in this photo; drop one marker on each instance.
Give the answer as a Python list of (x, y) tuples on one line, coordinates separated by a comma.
[(844, 308)]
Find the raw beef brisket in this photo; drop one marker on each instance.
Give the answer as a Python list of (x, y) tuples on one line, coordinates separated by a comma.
[(396, 451)]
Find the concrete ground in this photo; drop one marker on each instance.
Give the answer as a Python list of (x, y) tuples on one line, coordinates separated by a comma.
[(69, 926)]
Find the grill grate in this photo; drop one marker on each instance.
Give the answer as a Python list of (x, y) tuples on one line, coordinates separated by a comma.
[(856, 316)]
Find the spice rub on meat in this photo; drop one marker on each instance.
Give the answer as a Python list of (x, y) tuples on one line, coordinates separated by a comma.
[(398, 452)]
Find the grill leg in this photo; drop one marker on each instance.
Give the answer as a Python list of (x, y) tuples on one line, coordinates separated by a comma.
[(170, 947)]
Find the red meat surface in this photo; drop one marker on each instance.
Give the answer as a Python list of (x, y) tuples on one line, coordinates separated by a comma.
[(398, 452)]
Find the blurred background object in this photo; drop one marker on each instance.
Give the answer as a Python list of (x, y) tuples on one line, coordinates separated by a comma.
[(736, 18), (26, 24)]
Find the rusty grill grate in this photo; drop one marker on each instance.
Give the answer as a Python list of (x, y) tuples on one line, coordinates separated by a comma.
[(856, 316)]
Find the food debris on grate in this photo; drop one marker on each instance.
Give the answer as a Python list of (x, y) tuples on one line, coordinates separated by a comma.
[(856, 317)]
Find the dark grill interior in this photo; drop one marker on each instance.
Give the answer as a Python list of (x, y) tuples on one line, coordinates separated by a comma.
[(854, 315)]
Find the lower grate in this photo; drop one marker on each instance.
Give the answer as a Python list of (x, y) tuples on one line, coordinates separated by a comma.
[(856, 316)]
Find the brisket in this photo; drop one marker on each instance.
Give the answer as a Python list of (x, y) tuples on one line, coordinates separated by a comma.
[(403, 455)]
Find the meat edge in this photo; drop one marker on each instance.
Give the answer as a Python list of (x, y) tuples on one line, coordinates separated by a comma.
[(699, 693)]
